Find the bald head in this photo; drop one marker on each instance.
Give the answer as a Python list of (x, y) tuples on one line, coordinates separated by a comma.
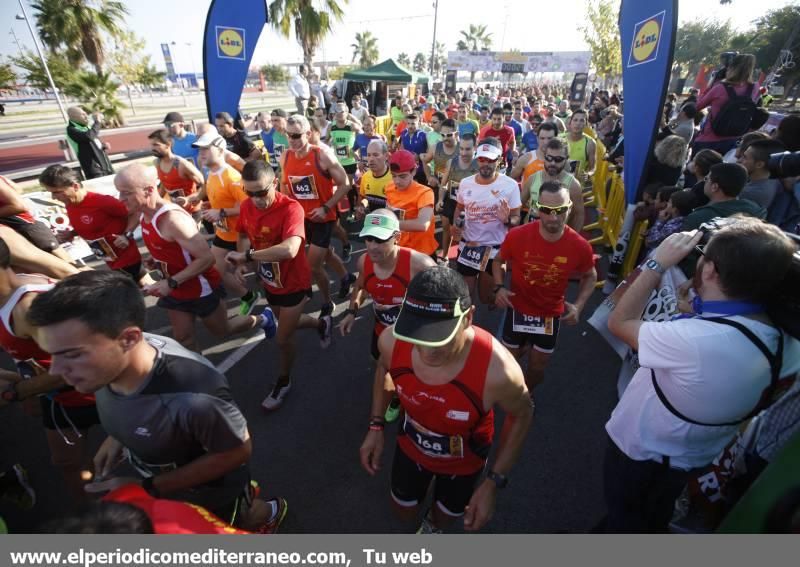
[(77, 114), (137, 185)]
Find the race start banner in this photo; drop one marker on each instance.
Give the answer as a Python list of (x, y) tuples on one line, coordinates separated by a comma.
[(647, 36), (232, 31)]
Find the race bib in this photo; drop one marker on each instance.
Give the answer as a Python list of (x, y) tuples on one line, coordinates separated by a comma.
[(386, 315), (452, 189), (270, 273), (102, 249), (278, 150), (531, 324), (375, 202), (401, 214), (303, 187), (29, 368), (342, 151), (433, 444), (475, 257)]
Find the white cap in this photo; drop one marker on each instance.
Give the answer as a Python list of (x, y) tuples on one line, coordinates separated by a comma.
[(210, 138), (489, 151)]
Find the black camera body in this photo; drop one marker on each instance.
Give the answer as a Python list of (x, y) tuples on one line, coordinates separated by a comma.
[(785, 164)]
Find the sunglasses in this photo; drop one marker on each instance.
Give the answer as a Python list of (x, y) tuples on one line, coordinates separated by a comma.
[(294, 136), (450, 135), (258, 194), (556, 159), (545, 210), (376, 240)]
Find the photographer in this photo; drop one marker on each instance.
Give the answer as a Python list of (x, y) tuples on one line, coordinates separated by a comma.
[(700, 375)]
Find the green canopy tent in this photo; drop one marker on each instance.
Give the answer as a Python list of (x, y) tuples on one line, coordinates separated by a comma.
[(385, 73)]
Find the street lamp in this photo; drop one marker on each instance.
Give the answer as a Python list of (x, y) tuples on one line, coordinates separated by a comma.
[(183, 89), (24, 16)]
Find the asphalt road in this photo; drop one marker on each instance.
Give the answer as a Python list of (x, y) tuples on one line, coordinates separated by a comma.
[(307, 451)]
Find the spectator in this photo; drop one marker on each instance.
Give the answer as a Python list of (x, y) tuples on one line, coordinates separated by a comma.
[(670, 219), (84, 137), (788, 132), (699, 377), (300, 90), (670, 157), (683, 125), (735, 153), (760, 188), (646, 208)]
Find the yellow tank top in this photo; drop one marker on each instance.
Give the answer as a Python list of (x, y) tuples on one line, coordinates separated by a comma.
[(578, 151)]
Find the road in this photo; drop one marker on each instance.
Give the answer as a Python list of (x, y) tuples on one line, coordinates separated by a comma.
[(307, 451)]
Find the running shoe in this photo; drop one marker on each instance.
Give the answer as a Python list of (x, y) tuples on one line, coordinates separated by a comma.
[(393, 411), (268, 323), (426, 527), (279, 509), (325, 331), (246, 307), (17, 488), (276, 396), (347, 252), (346, 282), (327, 309)]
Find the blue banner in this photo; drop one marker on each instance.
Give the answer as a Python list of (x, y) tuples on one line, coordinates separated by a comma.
[(168, 61), (232, 31), (647, 36)]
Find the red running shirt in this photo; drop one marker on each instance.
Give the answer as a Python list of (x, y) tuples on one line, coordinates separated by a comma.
[(29, 357), (175, 185), (271, 226), (540, 269), (387, 295), (99, 219), (445, 429), (505, 135), (173, 258), (307, 183)]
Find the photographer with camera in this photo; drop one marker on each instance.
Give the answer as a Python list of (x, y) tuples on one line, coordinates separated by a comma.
[(703, 374)]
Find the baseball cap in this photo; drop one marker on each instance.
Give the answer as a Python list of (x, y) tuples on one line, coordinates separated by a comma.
[(434, 306), (210, 138), (173, 117), (380, 226), (402, 160), (489, 151)]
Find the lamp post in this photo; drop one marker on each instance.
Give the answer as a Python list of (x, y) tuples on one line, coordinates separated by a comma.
[(433, 44), (183, 89), (188, 44)]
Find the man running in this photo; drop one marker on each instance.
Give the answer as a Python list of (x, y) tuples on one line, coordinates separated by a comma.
[(383, 274), (555, 163), (309, 176), (372, 185), (461, 166), (272, 235), (498, 129), (178, 177), (275, 140), (581, 147), (237, 141), (414, 140), (182, 139), (167, 410), (191, 286), (101, 220), (413, 203), (542, 256), (491, 205), (441, 154), (533, 161), (449, 375), (465, 124), (343, 132)]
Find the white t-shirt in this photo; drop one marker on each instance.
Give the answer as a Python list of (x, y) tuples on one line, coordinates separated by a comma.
[(360, 113), (481, 204), (709, 372)]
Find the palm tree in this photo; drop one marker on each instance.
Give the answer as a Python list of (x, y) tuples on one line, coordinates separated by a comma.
[(419, 62), (403, 60), (476, 39), (99, 93), (365, 49), (439, 60), (76, 25), (310, 26)]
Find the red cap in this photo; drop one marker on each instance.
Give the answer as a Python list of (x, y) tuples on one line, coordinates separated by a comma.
[(402, 160)]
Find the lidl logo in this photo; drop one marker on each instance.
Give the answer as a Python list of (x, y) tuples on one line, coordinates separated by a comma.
[(646, 39), (230, 43)]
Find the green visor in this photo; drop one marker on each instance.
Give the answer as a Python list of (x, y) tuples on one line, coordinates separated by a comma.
[(430, 322)]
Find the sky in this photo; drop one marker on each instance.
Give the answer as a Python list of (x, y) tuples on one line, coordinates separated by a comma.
[(512, 25)]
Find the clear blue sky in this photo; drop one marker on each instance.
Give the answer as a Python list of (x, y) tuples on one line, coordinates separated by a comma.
[(513, 25)]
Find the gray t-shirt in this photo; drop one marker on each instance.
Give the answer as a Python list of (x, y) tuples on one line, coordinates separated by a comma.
[(762, 192)]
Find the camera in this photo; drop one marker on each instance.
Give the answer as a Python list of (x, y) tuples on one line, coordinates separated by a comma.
[(785, 164), (725, 59)]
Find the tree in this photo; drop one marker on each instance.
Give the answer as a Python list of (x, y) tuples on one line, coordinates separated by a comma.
[(338, 72), (99, 94), (701, 42), (365, 49), (35, 75), (75, 26), (150, 77), (275, 73), (403, 60), (8, 78), (419, 62), (310, 26), (474, 39), (602, 35), (439, 59)]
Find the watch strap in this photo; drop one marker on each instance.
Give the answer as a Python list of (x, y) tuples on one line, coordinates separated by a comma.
[(500, 480)]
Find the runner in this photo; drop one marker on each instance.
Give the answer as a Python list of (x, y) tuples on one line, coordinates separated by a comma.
[(342, 133), (383, 274), (272, 235), (414, 140), (66, 414), (275, 140), (373, 183), (449, 375), (498, 129), (581, 147), (364, 138), (542, 256), (166, 410), (533, 161), (441, 154), (413, 203), (99, 219), (191, 286), (177, 177), (309, 176), (461, 166), (555, 163), (491, 205), (182, 139)]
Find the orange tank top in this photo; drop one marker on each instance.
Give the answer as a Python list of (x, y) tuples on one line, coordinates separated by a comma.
[(307, 183)]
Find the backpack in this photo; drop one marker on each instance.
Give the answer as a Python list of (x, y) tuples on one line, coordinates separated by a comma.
[(736, 115)]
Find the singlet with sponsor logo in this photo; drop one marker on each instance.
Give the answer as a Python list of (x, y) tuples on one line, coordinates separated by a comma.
[(373, 188), (173, 258), (175, 185), (343, 142), (29, 357), (446, 429), (579, 151), (307, 183), (387, 294), (441, 160)]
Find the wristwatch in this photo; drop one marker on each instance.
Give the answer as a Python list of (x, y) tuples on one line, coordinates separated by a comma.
[(248, 256), (498, 287), (653, 264), (172, 283), (500, 480), (326, 208), (10, 394)]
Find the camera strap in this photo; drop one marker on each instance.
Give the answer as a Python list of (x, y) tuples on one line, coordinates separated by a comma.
[(775, 363)]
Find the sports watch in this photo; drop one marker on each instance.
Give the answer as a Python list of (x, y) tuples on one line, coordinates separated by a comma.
[(499, 479), (654, 265), (172, 283)]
